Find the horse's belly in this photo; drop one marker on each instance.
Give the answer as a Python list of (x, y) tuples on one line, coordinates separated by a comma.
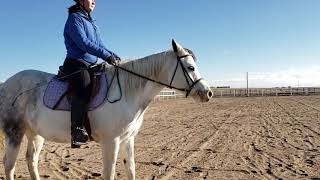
[(106, 122), (51, 125)]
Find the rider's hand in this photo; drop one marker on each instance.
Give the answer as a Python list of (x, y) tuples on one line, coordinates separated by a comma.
[(111, 60), (117, 57)]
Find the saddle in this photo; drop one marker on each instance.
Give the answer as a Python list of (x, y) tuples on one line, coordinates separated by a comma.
[(58, 94)]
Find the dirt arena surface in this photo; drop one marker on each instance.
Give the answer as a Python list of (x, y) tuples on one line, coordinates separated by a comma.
[(227, 138)]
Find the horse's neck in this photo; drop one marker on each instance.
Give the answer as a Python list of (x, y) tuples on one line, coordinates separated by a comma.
[(137, 89)]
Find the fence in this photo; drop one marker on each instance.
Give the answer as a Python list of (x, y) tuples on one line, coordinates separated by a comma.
[(166, 93), (233, 92)]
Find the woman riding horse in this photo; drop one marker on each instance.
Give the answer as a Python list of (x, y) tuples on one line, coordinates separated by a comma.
[(114, 125), (84, 47)]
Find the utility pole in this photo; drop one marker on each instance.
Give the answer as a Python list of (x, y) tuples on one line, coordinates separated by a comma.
[(247, 84)]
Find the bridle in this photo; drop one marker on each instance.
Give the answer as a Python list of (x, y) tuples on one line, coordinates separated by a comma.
[(189, 80), (191, 83)]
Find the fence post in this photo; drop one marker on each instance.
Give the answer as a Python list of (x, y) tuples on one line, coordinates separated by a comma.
[(306, 91)]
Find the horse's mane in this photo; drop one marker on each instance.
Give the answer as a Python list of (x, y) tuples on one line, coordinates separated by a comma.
[(149, 66)]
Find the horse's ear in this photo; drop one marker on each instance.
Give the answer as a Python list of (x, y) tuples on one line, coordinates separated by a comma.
[(174, 46)]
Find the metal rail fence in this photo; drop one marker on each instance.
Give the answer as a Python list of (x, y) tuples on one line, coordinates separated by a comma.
[(294, 91), (167, 93)]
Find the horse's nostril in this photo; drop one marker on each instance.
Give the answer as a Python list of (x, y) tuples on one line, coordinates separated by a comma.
[(210, 94)]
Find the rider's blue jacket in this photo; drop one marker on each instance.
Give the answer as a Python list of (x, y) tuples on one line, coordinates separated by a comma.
[(82, 39)]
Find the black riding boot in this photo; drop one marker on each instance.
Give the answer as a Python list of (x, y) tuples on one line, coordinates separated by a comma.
[(79, 135)]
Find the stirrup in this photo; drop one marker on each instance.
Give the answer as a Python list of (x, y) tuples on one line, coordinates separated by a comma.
[(75, 144), (79, 137)]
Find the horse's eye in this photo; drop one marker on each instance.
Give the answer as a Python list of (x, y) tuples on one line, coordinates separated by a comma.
[(191, 68)]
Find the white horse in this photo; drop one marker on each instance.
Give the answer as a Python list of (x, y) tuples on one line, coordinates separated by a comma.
[(114, 125)]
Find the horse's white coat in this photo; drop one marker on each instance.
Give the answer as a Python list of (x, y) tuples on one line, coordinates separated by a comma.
[(113, 125)]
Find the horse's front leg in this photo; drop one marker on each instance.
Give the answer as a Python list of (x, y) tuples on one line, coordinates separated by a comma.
[(110, 149), (127, 153)]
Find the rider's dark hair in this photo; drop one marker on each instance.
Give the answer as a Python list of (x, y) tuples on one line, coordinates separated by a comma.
[(75, 8)]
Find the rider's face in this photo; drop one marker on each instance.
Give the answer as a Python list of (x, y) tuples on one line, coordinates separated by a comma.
[(88, 5)]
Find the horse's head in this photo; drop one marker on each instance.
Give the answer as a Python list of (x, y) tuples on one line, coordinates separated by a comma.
[(186, 75)]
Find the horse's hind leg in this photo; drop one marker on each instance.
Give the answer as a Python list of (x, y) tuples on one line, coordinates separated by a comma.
[(35, 144), (11, 152)]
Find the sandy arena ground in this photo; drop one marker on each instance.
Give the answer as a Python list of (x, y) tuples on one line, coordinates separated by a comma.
[(227, 138)]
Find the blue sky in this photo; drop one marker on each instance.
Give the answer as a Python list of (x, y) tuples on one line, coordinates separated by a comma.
[(277, 42)]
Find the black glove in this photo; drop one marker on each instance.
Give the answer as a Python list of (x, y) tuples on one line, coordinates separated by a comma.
[(116, 56), (111, 59)]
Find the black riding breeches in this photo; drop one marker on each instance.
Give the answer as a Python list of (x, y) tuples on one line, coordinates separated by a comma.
[(81, 78)]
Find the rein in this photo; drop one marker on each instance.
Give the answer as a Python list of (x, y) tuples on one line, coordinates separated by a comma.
[(189, 80)]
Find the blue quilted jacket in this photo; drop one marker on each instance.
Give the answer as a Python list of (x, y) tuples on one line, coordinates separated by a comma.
[(82, 39)]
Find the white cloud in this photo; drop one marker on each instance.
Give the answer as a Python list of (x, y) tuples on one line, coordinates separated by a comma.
[(302, 77)]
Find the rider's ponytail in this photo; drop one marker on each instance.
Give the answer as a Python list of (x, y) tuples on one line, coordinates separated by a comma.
[(74, 8)]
